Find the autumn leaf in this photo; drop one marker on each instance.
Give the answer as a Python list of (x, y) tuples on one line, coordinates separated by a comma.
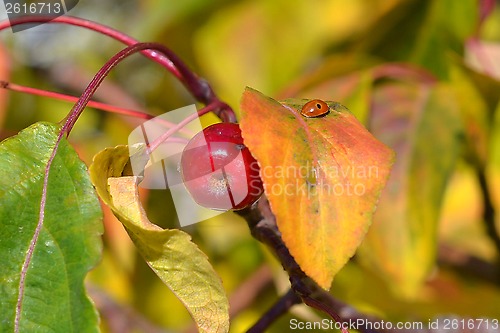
[(171, 254), (322, 176)]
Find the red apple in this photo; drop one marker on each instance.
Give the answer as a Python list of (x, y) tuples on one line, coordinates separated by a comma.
[(219, 171)]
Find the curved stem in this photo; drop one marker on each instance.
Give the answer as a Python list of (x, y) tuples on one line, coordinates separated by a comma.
[(87, 94), (198, 87), (156, 143)]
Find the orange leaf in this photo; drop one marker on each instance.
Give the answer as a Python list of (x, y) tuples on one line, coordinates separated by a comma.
[(322, 176)]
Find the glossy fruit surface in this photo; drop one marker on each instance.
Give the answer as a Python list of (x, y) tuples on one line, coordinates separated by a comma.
[(315, 108), (219, 171)]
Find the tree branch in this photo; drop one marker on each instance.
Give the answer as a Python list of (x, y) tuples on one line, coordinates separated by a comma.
[(262, 223), (467, 264)]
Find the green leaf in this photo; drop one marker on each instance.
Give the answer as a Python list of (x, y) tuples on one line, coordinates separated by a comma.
[(475, 113), (170, 253), (54, 298), (477, 96), (423, 33), (422, 125)]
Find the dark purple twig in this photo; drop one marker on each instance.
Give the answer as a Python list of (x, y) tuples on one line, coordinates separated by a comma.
[(488, 211), (277, 310), (467, 264)]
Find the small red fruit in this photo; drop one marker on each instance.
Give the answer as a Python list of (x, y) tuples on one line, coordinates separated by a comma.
[(219, 171)]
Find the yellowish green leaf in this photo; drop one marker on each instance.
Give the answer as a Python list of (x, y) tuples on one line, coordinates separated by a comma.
[(423, 127), (171, 254)]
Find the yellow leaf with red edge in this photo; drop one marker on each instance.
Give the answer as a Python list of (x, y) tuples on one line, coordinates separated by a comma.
[(323, 177)]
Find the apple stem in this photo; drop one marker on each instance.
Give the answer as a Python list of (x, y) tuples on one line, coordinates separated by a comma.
[(197, 86), (89, 91), (156, 143)]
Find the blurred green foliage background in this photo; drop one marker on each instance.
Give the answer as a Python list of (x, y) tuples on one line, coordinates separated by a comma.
[(327, 49)]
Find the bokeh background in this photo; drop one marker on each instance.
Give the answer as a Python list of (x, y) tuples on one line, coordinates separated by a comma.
[(324, 48)]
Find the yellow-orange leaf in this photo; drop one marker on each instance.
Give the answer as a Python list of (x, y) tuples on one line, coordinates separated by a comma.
[(323, 177)]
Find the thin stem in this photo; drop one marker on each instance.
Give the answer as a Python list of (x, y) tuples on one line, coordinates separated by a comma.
[(93, 104), (488, 211), (277, 310), (104, 71), (87, 94), (467, 264), (74, 99), (156, 143), (250, 290), (198, 87)]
